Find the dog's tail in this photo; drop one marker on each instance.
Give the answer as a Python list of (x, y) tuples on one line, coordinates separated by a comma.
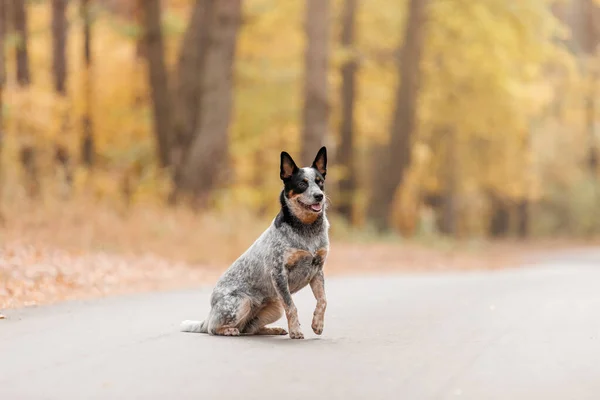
[(194, 326)]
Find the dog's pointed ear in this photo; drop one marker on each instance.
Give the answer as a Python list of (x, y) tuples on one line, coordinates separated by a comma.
[(320, 163), (287, 166)]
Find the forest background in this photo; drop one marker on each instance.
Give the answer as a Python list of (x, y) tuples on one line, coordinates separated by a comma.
[(153, 128)]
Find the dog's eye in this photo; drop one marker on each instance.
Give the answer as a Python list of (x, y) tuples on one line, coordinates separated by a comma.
[(305, 180)]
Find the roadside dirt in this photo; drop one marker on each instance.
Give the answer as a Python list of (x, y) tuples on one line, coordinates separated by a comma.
[(35, 275)]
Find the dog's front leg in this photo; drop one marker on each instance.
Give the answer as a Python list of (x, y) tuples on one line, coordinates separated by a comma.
[(280, 281), (317, 284)]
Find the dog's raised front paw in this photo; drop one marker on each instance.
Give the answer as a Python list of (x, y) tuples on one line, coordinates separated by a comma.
[(296, 335), (317, 326)]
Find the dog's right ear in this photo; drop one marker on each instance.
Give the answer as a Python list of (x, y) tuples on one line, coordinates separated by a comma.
[(287, 167)]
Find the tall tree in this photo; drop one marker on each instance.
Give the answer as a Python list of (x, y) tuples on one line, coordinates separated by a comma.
[(19, 9), (192, 58), (316, 62), (27, 151), (3, 21), (137, 13), (205, 161), (398, 154), (346, 150), (87, 144), (583, 19), (59, 45), (59, 67), (591, 48), (159, 85), (449, 219)]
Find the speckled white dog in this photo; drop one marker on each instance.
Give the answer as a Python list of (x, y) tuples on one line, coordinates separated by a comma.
[(289, 255)]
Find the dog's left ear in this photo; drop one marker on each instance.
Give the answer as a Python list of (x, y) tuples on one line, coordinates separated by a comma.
[(320, 163)]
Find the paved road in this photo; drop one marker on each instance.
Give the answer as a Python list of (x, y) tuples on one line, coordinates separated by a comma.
[(530, 333)]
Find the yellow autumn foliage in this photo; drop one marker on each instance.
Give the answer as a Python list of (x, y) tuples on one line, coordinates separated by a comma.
[(494, 74)]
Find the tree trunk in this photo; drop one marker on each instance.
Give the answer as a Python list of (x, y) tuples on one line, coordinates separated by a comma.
[(3, 21), (591, 49), (192, 58), (449, 218), (27, 151), (346, 150), (316, 62), (87, 143), (206, 160), (159, 86), (398, 156), (59, 45), (499, 225), (3, 31), (523, 218), (59, 69), (22, 54), (137, 14)]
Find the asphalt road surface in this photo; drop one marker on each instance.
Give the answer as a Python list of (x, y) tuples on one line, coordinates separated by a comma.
[(530, 333)]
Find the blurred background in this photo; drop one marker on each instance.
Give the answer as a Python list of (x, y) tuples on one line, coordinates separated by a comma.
[(156, 126)]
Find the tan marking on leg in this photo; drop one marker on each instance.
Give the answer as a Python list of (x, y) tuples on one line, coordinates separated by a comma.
[(270, 313), (244, 313), (265, 330), (317, 284), (227, 331)]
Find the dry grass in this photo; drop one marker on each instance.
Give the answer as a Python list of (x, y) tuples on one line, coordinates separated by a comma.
[(57, 251), (32, 275), (176, 234)]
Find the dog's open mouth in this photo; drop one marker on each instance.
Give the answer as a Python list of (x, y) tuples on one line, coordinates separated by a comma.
[(317, 207)]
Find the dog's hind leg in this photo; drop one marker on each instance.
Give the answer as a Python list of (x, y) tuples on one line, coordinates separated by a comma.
[(268, 314), (228, 317)]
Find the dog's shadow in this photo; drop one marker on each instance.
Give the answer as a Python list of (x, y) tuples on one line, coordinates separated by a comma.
[(285, 340)]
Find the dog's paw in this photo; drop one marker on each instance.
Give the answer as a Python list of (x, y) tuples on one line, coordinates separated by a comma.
[(317, 326), (272, 331), (279, 331), (231, 332), (296, 335)]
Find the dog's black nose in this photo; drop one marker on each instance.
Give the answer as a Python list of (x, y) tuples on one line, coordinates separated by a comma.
[(318, 196)]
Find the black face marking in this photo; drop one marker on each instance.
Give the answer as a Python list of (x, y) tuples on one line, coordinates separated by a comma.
[(296, 184)]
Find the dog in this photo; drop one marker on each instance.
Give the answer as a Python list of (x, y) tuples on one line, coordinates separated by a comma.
[(257, 288)]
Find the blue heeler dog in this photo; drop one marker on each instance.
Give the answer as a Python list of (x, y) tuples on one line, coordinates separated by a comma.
[(289, 255)]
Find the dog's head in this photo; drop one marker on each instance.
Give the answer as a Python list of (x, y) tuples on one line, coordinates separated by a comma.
[(304, 187)]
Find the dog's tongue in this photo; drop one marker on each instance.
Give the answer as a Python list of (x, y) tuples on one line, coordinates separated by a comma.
[(315, 207)]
